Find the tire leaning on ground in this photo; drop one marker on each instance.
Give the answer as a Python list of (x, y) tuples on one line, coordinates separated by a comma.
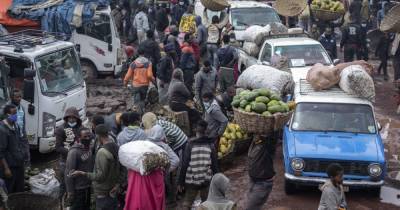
[(290, 188), (89, 70)]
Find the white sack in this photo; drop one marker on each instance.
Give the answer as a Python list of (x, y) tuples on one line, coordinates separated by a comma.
[(260, 76), (133, 154), (356, 81), (251, 48), (256, 34), (45, 183)]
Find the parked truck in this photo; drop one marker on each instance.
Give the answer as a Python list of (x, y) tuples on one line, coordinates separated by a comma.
[(97, 42), (49, 73)]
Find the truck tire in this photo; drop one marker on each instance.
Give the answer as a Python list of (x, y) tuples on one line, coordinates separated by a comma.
[(290, 188), (89, 70)]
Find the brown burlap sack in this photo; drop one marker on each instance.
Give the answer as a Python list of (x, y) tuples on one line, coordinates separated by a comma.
[(323, 77)]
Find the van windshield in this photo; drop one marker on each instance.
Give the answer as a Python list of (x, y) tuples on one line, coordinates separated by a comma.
[(303, 55), (59, 71), (355, 118), (245, 17)]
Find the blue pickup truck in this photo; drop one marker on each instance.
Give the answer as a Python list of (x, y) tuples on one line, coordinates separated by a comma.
[(332, 127)]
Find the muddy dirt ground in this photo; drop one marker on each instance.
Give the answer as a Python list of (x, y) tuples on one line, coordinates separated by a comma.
[(107, 95)]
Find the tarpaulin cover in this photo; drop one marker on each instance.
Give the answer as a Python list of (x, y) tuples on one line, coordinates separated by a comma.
[(57, 18), (6, 20)]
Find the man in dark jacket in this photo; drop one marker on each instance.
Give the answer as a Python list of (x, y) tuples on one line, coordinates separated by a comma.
[(199, 160), (106, 175), (328, 40), (162, 22), (16, 97), (80, 158), (66, 136), (151, 50), (188, 62), (227, 57), (352, 40), (164, 72), (382, 52), (11, 151), (261, 172)]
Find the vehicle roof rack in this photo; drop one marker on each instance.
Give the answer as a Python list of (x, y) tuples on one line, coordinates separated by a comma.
[(30, 38), (307, 89), (287, 35)]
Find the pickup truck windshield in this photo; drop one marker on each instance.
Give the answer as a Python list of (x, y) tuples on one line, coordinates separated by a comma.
[(336, 117), (59, 71), (245, 17), (303, 55)]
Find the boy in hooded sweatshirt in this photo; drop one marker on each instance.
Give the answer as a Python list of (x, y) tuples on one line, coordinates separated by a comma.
[(140, 72), (332, 197), (131, 131), (217, 199)]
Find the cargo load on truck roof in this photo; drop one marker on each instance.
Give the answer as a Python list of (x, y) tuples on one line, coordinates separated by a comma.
[(53, 15)]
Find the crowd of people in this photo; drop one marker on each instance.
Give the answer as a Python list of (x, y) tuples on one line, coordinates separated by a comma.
[(193, 64)]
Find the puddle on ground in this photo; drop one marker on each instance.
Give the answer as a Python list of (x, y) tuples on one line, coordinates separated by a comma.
[(390, 195)]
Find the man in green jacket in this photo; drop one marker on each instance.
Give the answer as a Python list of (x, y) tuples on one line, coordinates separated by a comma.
[(106, 174)]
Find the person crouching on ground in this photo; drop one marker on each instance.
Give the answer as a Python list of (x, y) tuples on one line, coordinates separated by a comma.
[(217, 199), (214, 117), (332, 197)]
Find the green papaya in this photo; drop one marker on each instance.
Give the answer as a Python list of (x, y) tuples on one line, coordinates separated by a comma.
[(259, 107), (237, 97), (273, 103), (275, 97), (235, 103), (243, 103), (274, 108), (248, 108), (251, 96), (262, 99), (266, 114), (263, 92)]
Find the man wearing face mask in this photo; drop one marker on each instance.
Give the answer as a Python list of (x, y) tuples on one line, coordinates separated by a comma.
[(328, 40), (214, 117), (205, 80), (80, 158), (66, 136), (11, 151)]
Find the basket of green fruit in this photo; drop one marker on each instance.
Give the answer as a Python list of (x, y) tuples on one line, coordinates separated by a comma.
[(327, 10), (259, 111), (290, 8)]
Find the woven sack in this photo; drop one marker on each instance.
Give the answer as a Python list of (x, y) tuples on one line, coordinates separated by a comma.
[(215, 5), (391, 22), (290, 8)]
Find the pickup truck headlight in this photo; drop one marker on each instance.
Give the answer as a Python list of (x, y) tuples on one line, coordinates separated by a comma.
[(49, 124), (297, 164), (374, 170)]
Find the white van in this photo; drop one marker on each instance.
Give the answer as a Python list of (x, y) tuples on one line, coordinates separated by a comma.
[(48, 72)]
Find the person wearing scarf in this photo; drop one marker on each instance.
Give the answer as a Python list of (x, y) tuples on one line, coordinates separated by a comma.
[(217, 199)]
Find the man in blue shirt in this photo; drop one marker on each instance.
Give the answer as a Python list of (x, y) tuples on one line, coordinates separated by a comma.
[(328, 40)]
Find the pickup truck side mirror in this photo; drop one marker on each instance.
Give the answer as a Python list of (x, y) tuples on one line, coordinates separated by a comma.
[(336, 62), (379, 126), (29, 85), (110, 48), (266, 63)]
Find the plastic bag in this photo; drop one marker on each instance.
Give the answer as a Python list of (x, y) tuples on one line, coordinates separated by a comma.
[(143, 157), (251, 48), (260, 76), (323, 77), (356, 81), (45, 183), (256, 34)]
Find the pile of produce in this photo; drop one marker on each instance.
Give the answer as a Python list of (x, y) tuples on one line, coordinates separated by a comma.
[(232, 133), (260, 101), (328, 5)]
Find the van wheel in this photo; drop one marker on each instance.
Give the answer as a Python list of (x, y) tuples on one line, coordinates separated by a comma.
[(89, 70), (290, 188)]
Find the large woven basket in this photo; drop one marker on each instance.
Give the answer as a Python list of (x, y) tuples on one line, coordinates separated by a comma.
[(290, 8), (215, 5), (25, 200), (281, 120), (254, 123), (326, 15), (391, 21)]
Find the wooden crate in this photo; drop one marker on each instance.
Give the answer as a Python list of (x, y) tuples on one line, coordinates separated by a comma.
[(181, 119)]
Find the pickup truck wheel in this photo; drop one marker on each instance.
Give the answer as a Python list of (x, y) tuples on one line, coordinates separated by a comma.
[(290, 188), (89, 70)]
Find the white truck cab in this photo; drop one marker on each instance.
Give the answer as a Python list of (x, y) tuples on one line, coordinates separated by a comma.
[(243, 14), (99, 45), (48, 72)]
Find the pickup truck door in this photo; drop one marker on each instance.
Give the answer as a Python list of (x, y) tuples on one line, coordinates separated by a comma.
[(266, 54)]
